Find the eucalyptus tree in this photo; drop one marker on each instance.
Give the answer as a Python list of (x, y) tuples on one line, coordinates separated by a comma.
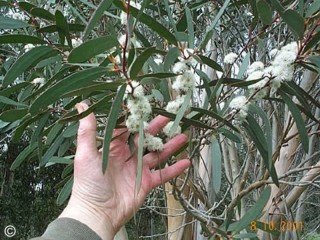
[(240, 78)]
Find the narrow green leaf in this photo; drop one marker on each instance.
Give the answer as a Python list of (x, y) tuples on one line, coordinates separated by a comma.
[(265, 12), (150, 22), (65, 192), (255, 132), (77, 80), (245, 235), (156, 75), (228, 134), (244, 66), (298, 119), (140, 61), (52, 150), (19, 38), (10, 23), (315, 60), (62, 28), (61, 160), (190, 27), (98, 13), (185, 105), (295, 22), (13, 115), (26, 61), (55, 130), (92, 48), (254, 212), (216, 172), (171, 57), (71, 130), (268, 132), (140, 155), (112, 120), (313, 42), (313, 8), (23, 156), (216, 19), (9, 101), (53, 28), (211, 63), (39, 127), (215, 116), (42, 13)]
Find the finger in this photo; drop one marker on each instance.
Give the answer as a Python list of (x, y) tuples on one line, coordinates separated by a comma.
[(153, 159), (86, 139), (157, 124), (121, 134), (164, 175)]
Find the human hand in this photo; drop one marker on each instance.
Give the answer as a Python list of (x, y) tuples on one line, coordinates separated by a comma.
[(105, 202)]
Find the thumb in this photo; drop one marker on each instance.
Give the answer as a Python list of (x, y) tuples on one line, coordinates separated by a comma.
[(86, 140)]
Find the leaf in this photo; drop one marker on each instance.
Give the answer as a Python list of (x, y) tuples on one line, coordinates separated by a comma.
[(9, 101), (53, 28), (10, 23), (77, 80), (312, 42), (140, 155), (98, 13), (185, 105), (228, 134), (190, 28), (92, 48), (313, 8), (156, 75), (71, 130), (216, 164), (13, 115), (65, 192), (42, 13), (245, 235), (255, 132), (215, 116), (254, 212), (62, 28), (216, 20), (52, 150), (61, 160), (112, 120), (150, 22), (23, 156), (209, 62), (298, 119), (20, 38), (268, 132), (140, 61), (26, 61), (295, 22), (171, 57), (244, 66), (265, 12)]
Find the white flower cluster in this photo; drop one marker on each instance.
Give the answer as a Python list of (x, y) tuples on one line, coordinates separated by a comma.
[(281, 69), (230, 58), (140, 111), (76, 42), (38, 81), (240, 104), (28, 47)]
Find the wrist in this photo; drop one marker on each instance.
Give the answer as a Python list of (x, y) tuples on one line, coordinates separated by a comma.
[(90, 216)]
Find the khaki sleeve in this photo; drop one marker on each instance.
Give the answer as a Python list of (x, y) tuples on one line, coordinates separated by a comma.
[(68, 229)]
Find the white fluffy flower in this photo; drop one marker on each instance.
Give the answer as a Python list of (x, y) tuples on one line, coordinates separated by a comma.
[(230, 58), (140, 107), (174, 106), (256, 66), (255, 75), (179, 67), (28, 47), (291, 47), (76, 42), (240, 103), (133, 124), (185, 82), (135, 89), (273, 52), (39, 81), (167, 130), (153, 143)]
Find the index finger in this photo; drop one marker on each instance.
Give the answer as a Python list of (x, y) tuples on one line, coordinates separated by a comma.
[(157, 124)]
